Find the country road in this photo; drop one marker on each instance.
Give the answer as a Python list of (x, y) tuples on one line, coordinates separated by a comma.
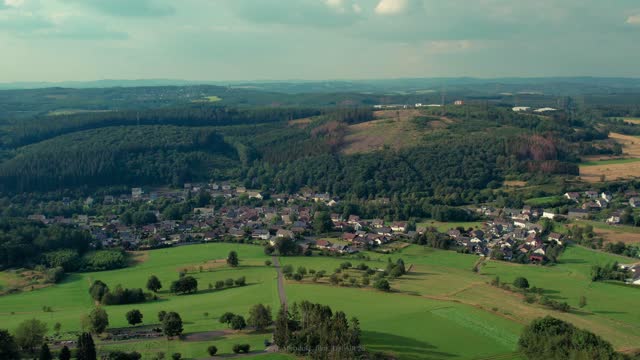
[(281, 292)]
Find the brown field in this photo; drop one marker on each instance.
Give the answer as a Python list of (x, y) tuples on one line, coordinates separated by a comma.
[(631, 146), (515, 183), (615, 236), (391, 128), (632, 120), (301, 123)]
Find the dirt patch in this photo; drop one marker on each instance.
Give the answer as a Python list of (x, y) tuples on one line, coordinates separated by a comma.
[(207, 335), (205, 266), (515, 183), (616, 236), (301, 123), (138, 257)]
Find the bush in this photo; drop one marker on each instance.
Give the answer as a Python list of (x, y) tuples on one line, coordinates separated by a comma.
[(521, 283), (382, 284), (241, 281), (176, 356), (241, 348), (228, 282), (267, 262), (123, 296), (238, 323), (212, 350)]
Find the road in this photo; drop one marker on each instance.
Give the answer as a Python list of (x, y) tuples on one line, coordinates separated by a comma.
[(281, 292)]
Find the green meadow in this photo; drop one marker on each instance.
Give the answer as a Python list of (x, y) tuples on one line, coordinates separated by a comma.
[(425, 316), (609, 162)]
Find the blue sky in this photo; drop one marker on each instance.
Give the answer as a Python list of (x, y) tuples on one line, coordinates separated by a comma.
[(57, 40)]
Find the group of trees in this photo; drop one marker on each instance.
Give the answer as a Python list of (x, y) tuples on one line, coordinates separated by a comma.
[(26, 243), (610, 271), (551, 338), (101, 293), (314, 330), (185, 285)]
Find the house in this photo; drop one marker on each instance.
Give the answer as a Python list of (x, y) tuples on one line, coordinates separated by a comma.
[(353, 219), (548, 215), (578, 214), (458, 103), (573, 196), (634, 202), (606, 196), (323, 243), (377, 223), (591, 194), (520, 108), (261, 234), (614, 219), (136, 193), (555, 237), (282, 233), (399, 226), (348, 236), (536, 259)]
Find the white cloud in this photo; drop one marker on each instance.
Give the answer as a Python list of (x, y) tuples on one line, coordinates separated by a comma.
[(633, 19), (392, 7), (451, 46), (14, 3), (343, 6)]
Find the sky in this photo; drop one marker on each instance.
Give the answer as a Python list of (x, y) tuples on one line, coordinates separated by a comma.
[(222, 40)]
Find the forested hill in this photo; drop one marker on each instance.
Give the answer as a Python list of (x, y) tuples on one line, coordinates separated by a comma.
[(455, 153)]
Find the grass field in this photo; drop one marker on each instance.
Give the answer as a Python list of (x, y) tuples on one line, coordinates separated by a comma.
[(208, 99), (70, 299), (428, 312), (445, 226), (614, 233)]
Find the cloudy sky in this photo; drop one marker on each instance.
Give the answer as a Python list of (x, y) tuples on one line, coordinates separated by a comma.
[(56, 40)]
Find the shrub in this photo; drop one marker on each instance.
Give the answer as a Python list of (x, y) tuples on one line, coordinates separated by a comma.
[(382, 285), (521, 283), (102, 260), (241, 348), (219, 284), (212, 350), (241, 281)]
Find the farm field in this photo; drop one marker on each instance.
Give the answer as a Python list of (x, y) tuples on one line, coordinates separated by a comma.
[(615, 169), (632, 120), (615, 233)]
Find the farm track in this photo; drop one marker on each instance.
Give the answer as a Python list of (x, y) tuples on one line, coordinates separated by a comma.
[(281, 293)]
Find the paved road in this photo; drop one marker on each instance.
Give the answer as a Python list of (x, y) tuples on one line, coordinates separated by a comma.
[(281, 292)]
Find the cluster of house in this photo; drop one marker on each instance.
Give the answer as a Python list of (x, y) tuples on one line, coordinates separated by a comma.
[(507, 239), (363, 234), (591, 202)]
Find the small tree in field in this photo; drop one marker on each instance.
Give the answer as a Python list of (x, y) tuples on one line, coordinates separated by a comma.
[(260, 317), (232, 259), (154, 284), (521, 283), (98, 320), (238, 323), (134, 317), (226, 318), (172, 325), (212, 350)]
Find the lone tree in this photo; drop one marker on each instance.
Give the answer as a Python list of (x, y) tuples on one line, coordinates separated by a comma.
[(238, 323), (86, 347), (134, 317), (98, 320), (161, 315), (154, 284), (212, 350), (65, 353), (172, 325), (185, 285), (8, 346), (98, 289), (45, 353), (382, 284), (30, 334), (226, 318), (260, 317), (232, 259), (521, 283)]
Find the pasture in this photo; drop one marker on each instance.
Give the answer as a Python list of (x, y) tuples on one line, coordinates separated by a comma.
[(428, 311), (70, 299)]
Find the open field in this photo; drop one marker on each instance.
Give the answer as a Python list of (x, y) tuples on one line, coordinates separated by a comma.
[(392, 128), (632, 120), (208, 99), (615, 168), (429, 310), (70, 299), (445, 226), (615, 233)]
